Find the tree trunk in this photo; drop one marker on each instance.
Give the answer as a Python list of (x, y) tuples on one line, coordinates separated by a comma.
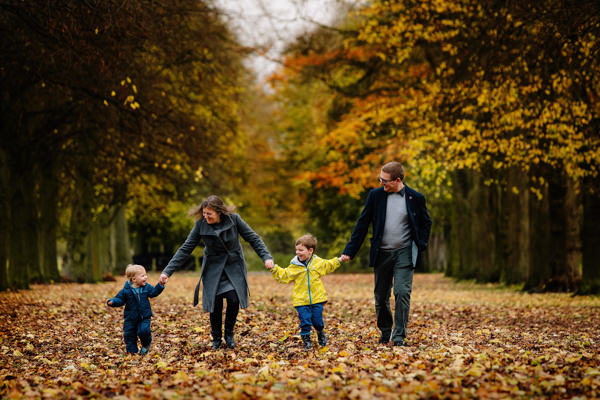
[(573, 213), (24, 262), (436, 259), (98, 247), (121, 239), (549, 230), (516, 209), (77, 264), (483, 219), (48, 198), (540, 242), (459, 265), (557, 190), (4, 220), (590, 280)]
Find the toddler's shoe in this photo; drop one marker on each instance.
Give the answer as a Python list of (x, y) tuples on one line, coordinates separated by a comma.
[(321, 338), (306, 341), (144, 349)]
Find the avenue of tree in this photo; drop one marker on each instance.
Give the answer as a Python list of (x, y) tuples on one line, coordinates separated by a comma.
[(117, 116)]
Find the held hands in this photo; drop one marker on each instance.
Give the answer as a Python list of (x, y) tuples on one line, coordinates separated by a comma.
[(344, 258), (163, 279), (269, 264)]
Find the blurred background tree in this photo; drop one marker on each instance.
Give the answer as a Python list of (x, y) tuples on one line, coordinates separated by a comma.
[(493, 108), (117, 117)]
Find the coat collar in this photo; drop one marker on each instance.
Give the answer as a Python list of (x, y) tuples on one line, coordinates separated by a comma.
[(407, 191), (133, 291), (296, 261), (207, 229)]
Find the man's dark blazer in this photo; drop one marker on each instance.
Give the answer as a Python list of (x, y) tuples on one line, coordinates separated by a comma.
[(375, 210)]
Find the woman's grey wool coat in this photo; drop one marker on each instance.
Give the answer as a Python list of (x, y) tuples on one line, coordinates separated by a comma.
[(222, 254)]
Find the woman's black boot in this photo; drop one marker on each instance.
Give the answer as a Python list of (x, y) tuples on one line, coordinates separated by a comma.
[(229, 341), (216, 342)]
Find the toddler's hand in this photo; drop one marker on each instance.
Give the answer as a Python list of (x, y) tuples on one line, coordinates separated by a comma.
[(344, 258), (269, 264), (163, 279), (109, 302)]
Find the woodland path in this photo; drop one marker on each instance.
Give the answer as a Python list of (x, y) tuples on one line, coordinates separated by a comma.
[(466, 341)]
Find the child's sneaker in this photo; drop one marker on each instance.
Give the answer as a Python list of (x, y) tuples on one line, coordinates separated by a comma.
[(321, 338), (144, 349)]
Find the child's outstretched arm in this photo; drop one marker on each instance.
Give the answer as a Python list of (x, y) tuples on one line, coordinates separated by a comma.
[(156, 290), (117, 301), (283, 275), (328, 266)]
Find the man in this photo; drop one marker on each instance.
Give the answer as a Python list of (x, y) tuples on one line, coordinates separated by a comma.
[(401, 227)]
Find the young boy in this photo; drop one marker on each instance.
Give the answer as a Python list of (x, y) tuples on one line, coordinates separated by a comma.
[(134, 296), (309, 295)]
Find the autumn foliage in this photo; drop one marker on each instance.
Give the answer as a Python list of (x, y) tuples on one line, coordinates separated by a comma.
[(493, 108), (466, 341)]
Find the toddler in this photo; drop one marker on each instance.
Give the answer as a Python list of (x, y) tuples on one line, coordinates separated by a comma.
[(134, 296)]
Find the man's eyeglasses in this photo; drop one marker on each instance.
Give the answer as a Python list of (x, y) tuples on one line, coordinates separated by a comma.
[(385, 181)]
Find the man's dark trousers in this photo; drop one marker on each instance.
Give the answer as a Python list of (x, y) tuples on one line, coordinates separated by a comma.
[(393, 267)]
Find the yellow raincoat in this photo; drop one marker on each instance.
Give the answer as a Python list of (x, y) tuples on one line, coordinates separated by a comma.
[(308, 288)]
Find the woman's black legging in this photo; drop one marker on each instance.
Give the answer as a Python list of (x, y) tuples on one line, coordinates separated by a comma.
[(216, 317)]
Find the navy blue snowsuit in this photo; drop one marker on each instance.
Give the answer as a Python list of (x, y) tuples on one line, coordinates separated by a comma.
[(137, 313)]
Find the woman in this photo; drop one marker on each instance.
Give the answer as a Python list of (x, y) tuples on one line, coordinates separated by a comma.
[(224, 274)]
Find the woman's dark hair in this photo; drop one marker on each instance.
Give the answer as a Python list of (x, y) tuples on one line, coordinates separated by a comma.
[(213, 202)]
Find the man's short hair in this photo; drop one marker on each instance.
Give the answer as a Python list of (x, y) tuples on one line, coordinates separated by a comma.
[(395, 169)]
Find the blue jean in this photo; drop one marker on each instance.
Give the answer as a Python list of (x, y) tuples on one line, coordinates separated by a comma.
[(310, 315), (393, 268), (132, 330)]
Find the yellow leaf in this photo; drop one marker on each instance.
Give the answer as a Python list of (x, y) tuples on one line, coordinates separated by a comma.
[(339, 369), (264, 371), (475, 372), (181, 376)]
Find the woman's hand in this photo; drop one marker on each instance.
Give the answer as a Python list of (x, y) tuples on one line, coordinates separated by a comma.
[(269, 264), (163, 279)]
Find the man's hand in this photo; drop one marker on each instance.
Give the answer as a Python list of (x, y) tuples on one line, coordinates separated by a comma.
[(269, 264), (163, 279), (344, 258)]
